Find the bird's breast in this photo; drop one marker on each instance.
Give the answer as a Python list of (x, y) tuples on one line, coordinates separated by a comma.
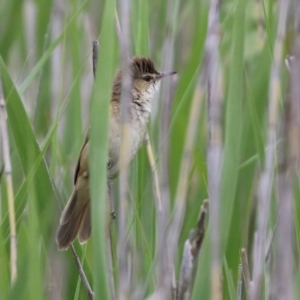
[(134, 138)]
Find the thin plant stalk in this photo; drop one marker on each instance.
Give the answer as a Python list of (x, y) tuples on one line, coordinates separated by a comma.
[(10, 191), (165, 265), (214, 147), (240, 283), (82, 274), (246, 272), (154, 174), (124, 281), (98, 152), (95, 56), (283, 274), (185, 169), (191, 250), (265, 183), (78, 263), (294, 135), (109, 194)]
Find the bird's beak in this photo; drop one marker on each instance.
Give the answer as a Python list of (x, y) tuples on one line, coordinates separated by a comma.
[(164, 74)]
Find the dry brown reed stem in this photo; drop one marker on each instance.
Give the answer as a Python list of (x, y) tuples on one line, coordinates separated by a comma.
[(1, 170), (265, 184), (82, 274), (191, 250), (95, 56), (214, 147), (9, 186), (124, 282)]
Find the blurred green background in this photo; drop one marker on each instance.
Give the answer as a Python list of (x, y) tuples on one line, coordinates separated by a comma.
[(46, 72)]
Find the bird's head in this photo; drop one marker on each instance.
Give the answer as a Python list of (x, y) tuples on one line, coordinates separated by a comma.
[(145, 78)]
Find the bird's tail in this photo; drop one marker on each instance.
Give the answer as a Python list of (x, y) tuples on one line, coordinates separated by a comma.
[(75, 220)]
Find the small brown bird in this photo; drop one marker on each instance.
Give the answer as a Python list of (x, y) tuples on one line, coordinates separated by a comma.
[(76, 216)]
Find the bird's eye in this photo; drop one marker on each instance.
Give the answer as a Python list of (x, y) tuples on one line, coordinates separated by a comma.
[(147, 78)]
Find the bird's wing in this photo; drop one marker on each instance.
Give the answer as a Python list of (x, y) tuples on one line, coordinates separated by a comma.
[(79, 157)]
